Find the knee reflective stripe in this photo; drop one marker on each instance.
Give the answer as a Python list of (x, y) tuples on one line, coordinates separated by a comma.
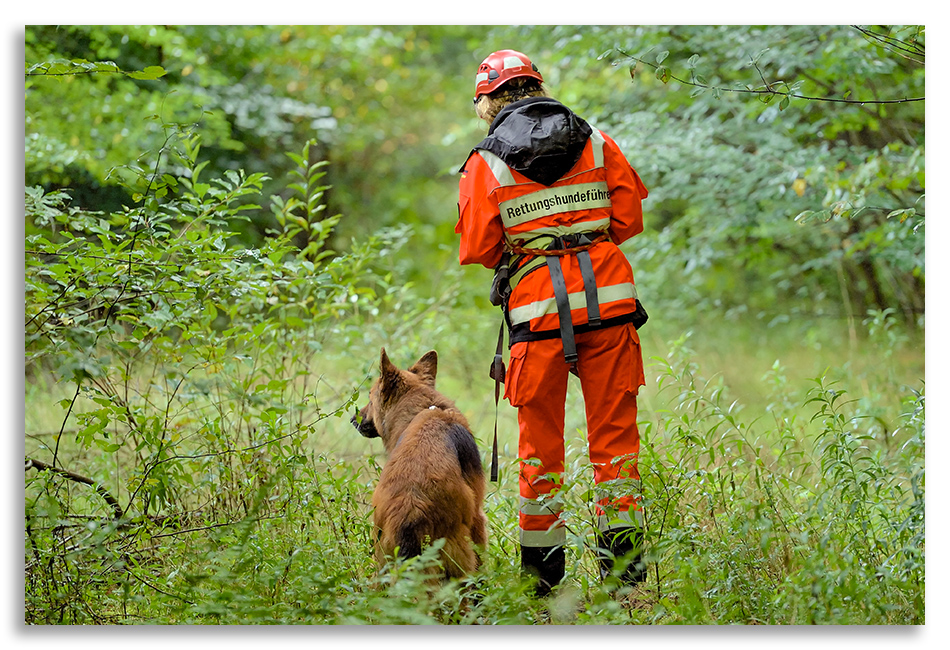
[(556, 536), (623, 519), (577, 300), (563, 309), (550, 505)]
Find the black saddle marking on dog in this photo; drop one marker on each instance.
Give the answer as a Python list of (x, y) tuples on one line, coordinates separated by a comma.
[(464, 443)]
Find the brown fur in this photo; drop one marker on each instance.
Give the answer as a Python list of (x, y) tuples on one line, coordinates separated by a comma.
[(432, 485)]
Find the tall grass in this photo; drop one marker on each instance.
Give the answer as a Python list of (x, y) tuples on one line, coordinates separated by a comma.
[(809, 513)]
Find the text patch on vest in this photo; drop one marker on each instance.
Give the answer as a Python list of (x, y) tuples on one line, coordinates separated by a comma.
[(554, 200)]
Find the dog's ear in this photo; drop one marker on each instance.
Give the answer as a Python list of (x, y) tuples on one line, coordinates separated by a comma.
[(384, 361), (426, 367), (388, 374)]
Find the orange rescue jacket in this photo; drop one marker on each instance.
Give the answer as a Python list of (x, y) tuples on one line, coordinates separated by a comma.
[(502, 209)]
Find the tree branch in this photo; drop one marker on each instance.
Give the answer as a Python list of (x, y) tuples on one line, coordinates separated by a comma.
[(904, 49), (770, 90), (32, 463)]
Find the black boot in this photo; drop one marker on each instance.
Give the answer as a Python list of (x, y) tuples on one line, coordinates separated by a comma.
[(546, 563), (619, 543)]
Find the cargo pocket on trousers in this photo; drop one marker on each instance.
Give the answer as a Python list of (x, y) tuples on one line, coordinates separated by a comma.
[(637, 378), (518, 353)]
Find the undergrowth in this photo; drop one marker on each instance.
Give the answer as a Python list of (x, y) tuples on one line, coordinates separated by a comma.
[(804, 518), (181, 466)]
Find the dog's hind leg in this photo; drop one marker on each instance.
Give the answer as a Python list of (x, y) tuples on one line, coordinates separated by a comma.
[(458, 557), (479, 530)]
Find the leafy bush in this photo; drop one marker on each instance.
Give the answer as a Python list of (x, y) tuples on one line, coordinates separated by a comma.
[(189, 361)]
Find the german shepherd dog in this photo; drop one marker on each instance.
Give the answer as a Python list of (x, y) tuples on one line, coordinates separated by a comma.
[(432, 485)]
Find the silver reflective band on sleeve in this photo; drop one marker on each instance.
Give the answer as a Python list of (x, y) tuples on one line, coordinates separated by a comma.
[(625, 519), (597, 143), (548, 506), (554, 200), (498, 167), (557, 536), (578, 300)]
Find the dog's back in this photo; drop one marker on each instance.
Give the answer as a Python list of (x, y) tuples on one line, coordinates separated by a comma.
[(432, 487)]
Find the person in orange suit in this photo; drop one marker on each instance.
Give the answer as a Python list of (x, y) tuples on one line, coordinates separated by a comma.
[(545, 199)]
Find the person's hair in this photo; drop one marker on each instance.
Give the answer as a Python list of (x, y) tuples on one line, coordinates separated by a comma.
[(489, 106)]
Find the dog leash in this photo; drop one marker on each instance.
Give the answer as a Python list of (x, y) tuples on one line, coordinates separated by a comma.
[(497, 373)]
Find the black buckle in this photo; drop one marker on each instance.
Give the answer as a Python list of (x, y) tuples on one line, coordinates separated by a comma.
[(562, 242), (497, 371)]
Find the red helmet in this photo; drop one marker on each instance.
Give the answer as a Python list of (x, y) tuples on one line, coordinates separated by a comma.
[(502, 66)]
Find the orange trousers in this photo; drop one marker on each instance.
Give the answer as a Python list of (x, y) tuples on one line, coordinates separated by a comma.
[(610, 368)]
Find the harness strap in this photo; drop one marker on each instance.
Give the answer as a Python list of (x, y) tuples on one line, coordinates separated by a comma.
[(578, 245), (590, 287), (584, 242), (563, 309)]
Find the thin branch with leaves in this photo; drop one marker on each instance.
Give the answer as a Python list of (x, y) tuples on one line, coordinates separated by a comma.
[(766, 92)]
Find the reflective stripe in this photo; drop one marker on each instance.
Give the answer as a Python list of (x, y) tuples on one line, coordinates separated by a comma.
[(578, 300), (557, 536), (515, 278), (598, 143), (554, 200), (624, 519), (498, 167), (522, 238), (623, 485), (551, 505)]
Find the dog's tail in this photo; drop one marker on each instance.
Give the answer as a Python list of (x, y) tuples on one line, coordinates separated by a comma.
[(409, 538), (463, 443)]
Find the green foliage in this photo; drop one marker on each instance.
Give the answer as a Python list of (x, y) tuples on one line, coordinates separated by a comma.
[(81, 66), (736, 131), (191, 359), (806, 515)]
